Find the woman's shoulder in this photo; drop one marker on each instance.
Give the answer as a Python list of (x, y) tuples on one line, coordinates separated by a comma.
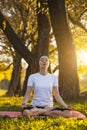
[(52, 75)]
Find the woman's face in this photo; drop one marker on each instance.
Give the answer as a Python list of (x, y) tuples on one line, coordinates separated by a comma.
[(44, 62)]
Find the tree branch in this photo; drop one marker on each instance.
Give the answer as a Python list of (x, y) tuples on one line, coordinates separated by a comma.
[(77, 23), (14, 40)]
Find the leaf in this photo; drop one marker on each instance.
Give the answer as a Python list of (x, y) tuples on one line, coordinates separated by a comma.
[(26, 6), (21, 26), (4, 24), (20, 1), (39, 5)]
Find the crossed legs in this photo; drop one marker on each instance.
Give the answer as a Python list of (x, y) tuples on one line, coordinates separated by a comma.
[(46, 111)]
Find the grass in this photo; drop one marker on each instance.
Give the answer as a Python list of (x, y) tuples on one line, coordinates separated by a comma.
[(22, 123)]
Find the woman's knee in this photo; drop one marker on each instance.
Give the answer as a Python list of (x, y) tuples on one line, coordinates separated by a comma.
[(26, 113)]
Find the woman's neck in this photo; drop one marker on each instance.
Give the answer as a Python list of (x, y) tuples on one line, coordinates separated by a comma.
[(43, 72)]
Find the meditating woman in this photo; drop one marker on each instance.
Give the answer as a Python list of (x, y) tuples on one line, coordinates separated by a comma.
[(44, 85)]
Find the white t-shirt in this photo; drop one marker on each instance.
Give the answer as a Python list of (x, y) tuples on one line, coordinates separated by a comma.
[(43, 85)]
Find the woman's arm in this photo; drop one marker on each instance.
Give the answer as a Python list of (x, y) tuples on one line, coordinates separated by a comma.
[(27, 96), (58, 98)]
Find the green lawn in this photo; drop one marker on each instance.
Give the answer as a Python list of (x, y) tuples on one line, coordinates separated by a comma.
[(22, 123)]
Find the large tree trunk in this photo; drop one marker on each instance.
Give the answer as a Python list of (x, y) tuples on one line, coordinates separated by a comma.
[(15, 86), (68, 78)]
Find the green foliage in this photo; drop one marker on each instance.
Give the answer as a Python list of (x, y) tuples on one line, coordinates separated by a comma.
[(23, 123)]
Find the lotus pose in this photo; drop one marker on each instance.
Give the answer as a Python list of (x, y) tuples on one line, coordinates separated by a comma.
[(44, 85)]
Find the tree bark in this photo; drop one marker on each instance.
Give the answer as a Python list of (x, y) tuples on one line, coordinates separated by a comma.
[(68, 78), (43, 28)]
